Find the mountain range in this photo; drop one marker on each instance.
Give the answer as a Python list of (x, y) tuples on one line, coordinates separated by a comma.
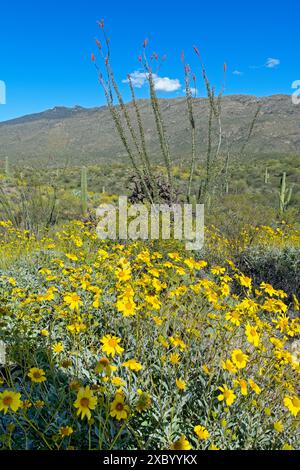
[(89, 135)]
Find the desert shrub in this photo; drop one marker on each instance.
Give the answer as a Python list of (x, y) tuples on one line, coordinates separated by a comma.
[(277, 266)]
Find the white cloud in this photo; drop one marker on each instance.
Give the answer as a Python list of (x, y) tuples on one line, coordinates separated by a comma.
[(237, 72), (167, 84), (271, 63), (138, 79)]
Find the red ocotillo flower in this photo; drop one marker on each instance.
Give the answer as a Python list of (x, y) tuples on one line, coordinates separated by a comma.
[(93, 57), (145, 42), (225, 67), (140, 58), (98, 43), (187, 68), (196, 50), (182, 56), (100, 24)]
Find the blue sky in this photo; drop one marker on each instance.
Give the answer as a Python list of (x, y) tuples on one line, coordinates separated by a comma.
[(45, 47)]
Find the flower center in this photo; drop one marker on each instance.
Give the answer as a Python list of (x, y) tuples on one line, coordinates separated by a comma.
[(296, 402), (7, 401), (84, 402), (119, 407), (104, 362)]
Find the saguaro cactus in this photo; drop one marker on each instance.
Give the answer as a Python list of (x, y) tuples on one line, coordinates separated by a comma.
[(285, 194), (267, 175), (84, 192)]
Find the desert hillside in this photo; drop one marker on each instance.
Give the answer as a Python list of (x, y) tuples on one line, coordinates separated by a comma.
[(88, 135)]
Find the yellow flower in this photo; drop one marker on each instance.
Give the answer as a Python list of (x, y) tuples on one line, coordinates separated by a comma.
[(111, 345), (243, 385), (287, 446), (181, 444), (118, 408), (293, 404), (228, 365), (132, 364), (85, 402), (252, 335), (104, 365), (117, 381), (126, 305), (201, 432), (153, 302), (76, 327), (181, 384), (26, 405), (239, 358), (71, 257), (190, 262), (217, 270), (12, 281), (254, 386), (39, 404), (123, 274), (57, 348), (10, 400), (73, 300), (158, 321), (174, 256), (174, 358), (213, 447), (234, 317), (274, 306), (227, 395), (278, 426), (37, 375), (244, 280), (66, 431), (282, 323), (44, 332), (177, 342)]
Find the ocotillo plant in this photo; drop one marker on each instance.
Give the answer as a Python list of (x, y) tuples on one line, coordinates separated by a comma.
[(84, 193), (129, 125), (285, 194)]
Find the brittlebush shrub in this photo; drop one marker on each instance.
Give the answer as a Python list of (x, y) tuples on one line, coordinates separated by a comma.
[(136, 346)]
